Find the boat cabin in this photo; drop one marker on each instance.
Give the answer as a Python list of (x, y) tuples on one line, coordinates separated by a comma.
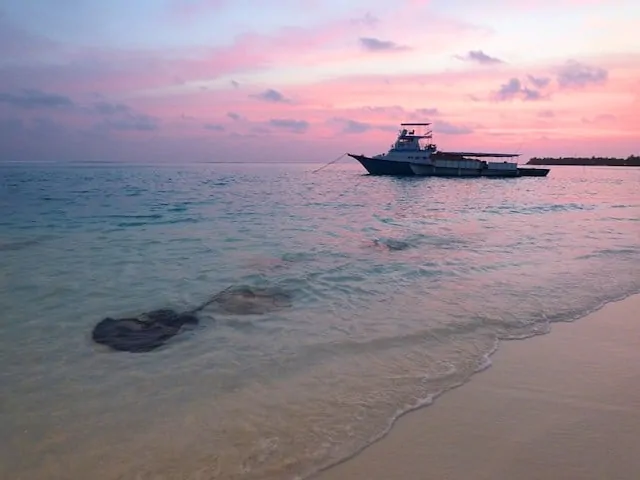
[(409, 141)]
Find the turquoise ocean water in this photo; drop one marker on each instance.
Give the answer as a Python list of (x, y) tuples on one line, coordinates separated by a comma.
[(402, 288)]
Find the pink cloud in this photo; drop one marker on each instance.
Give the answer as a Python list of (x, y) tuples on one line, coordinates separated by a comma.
[(480, 57), (381, 100), (575, 74), (149, 103), (119, 71), (130, 71)]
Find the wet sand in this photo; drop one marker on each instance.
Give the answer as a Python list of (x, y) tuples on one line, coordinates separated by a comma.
[(560, 406)]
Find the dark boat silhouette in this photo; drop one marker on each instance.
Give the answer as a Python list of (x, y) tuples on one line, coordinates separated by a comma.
[(408, 156)]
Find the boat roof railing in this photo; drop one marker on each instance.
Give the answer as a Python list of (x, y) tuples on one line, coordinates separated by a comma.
[(428, 134)]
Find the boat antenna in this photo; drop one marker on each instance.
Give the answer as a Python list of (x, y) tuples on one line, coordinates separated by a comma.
[(331, 162)]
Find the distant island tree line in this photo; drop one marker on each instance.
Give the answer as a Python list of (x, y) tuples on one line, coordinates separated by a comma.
[(631, 161)]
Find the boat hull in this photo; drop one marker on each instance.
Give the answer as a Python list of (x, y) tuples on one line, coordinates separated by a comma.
[(384, 167), (397, 168), (533, 172), (442, 171), (375, 166)]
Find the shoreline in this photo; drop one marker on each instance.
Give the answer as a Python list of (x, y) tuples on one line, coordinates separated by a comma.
[(420, 442)]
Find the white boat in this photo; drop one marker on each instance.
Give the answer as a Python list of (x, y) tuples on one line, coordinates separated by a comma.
[(415, 154)]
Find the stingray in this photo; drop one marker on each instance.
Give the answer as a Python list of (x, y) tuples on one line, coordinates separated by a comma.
[(391, 244), (143, 333), (152, 329), (245, 300)]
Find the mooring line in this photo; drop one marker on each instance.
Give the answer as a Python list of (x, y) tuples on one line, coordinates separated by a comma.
[(330, 163)]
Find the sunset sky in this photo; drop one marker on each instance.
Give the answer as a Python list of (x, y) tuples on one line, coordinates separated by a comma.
[(307, 80)]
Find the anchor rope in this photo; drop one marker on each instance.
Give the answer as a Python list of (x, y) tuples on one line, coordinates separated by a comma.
[(330, 163)]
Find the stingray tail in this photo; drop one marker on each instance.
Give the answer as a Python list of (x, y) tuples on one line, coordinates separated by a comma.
[(209, 301)]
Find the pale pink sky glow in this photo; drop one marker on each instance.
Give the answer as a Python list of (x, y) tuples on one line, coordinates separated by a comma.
[(186, 80)]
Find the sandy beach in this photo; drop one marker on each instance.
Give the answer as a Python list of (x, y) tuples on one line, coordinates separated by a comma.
[(560, 406)]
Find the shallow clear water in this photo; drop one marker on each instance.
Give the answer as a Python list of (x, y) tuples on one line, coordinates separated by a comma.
[(401, 289)]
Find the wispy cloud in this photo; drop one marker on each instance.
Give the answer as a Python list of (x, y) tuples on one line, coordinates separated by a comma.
[(576, 74), (509, 90), (376, 45), (447, 128), (271, 95), (514, 89), (133, 69), (601, 118), (429, 112), (131, 122), (297, 126), (480, 57), (106, 108), (367, 19), (353, 126), (214, 126), (539, 82), (29, 99)]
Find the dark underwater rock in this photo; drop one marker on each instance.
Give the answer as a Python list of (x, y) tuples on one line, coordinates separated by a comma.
[(245, 300), (141, 334)]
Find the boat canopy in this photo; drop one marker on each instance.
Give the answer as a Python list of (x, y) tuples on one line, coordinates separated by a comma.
[(483, 154)]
